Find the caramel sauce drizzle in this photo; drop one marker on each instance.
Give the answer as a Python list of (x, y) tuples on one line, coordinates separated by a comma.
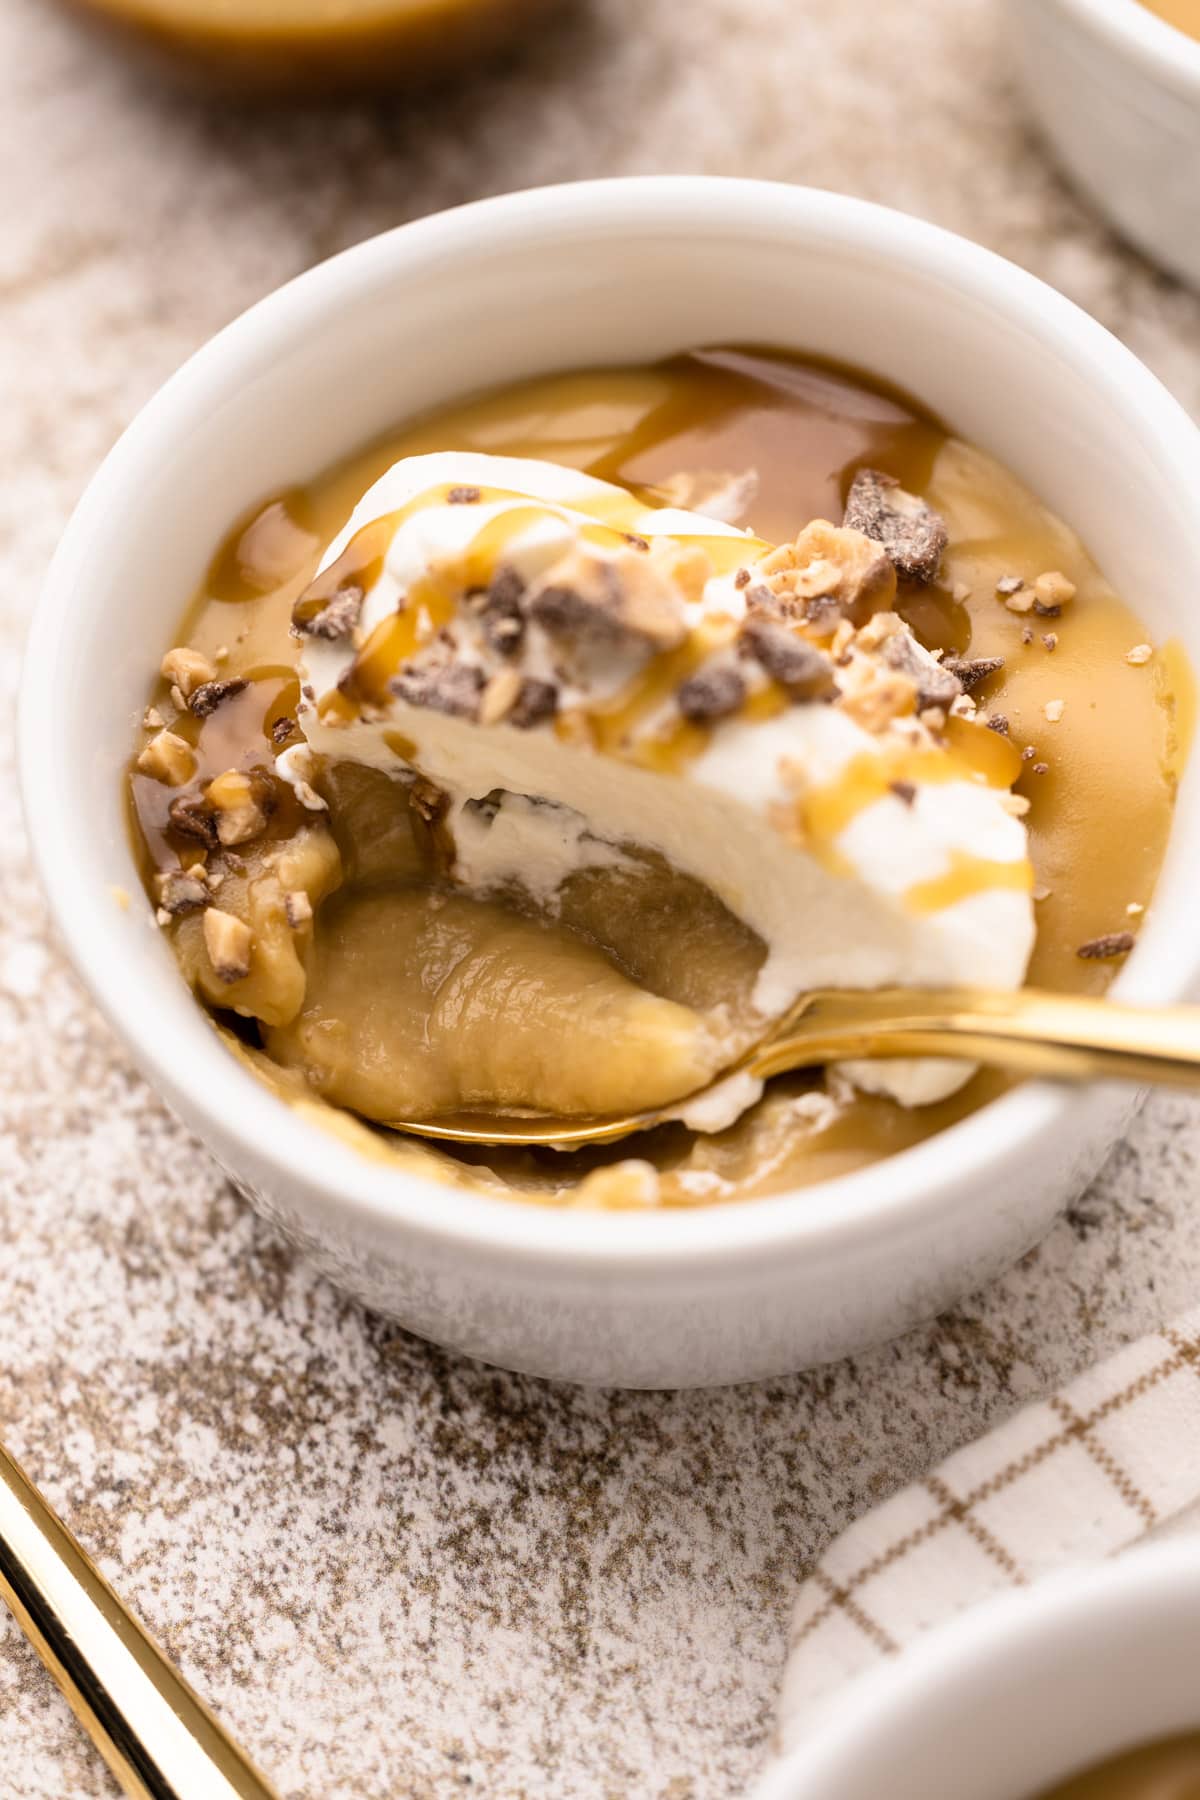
[(966, 876)]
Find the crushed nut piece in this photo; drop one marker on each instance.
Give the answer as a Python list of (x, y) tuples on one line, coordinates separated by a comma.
[(1054, 710), (1051, 640), (229, 943), (971, 671), (827, 563), (912, 534), (1114, 943), (806, 673), (1054, 589), (880, 702), (1141, 653), (1028, 753), (1135, 909), (1027, 635), (168, 758), (238, 804), (186, 669), (712, 694), (152, 719), (298, 908), (499, 696), (1009, 584), (209, 695), (1021, 602)]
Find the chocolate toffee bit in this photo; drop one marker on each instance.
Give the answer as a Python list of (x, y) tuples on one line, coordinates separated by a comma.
[(912, 534), (712, 694), (1027, 635), (282, 730), (464, 496), (330, 619), (208, 696), (228, 942), (182, 891), (1009, 584), (936, 685), (501, 615), (903, 790), (1115, 943), (742, 578), (1050, 640), (590, 598), (186, 669), (971, 672), (536, 702), (1046, 612), (1040, 768), (636, 542), (805, 672), (998, 723), (823, 615), (168, 758), (190, 816), (452, 688)]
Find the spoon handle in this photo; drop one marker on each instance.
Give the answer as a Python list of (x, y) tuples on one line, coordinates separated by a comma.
[(157, 1737), (1029, 1032)]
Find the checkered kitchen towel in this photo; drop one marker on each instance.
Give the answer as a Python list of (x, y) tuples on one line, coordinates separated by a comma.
[(1080, 1476)]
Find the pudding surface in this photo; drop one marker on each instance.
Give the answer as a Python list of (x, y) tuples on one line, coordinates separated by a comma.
[(344, 904), (1165, 1771)]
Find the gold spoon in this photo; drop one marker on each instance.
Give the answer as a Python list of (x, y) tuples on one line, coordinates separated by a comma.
[(158, 1738), (1031, 1033)]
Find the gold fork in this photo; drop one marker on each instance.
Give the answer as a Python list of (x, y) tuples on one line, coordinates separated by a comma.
[(1032, 1033), (158, 1738)]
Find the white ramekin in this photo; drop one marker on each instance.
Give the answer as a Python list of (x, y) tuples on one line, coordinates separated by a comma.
[(599, 273), (1019, 1693), (1117, 92)]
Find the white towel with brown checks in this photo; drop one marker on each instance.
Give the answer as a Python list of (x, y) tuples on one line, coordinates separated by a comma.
[(1080, 1476)]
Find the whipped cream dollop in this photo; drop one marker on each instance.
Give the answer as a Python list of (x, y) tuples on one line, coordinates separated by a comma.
[(571, 675)]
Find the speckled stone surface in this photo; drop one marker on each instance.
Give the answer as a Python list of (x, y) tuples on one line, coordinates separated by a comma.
[(393, 1572)]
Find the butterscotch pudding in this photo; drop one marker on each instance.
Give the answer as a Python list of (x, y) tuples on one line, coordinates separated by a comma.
[(1164, 1771), (540, 757)]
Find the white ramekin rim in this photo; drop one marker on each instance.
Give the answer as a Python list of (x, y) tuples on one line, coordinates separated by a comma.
[(1164, 52), (1150, 1580), (905, 1192)]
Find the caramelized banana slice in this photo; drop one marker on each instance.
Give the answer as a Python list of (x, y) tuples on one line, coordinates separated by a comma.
[(421, 1004)]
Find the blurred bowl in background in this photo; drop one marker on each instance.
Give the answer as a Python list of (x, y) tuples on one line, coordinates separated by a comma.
[(1116, 90), (310, 47)]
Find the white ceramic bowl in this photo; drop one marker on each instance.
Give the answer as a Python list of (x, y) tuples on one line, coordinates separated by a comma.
[(1019, 1693), (1117, 92), (599, 273)]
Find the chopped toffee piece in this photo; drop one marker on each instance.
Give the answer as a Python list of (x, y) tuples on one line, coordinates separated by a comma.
[(912, 534), (298, 908), (1040, 768), (805, 672), (1054, 710), (713, 694), (972, 671), (330, 619), (464, 496), (228, 942), (998, 723), (904, 790), (1009, 584), (208, 696), (193, 818), (240, 806), (1053, 590), (822, 615), (428, 800), (826, 562), (182, 891), (452, 688), (585, 597), (936, 685), (1114, 943), (1050, 640), (536, 702), (1141, 653), (501, 617), (282, 730)]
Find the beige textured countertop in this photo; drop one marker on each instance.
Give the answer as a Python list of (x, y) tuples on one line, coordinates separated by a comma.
[(393, 1572)]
